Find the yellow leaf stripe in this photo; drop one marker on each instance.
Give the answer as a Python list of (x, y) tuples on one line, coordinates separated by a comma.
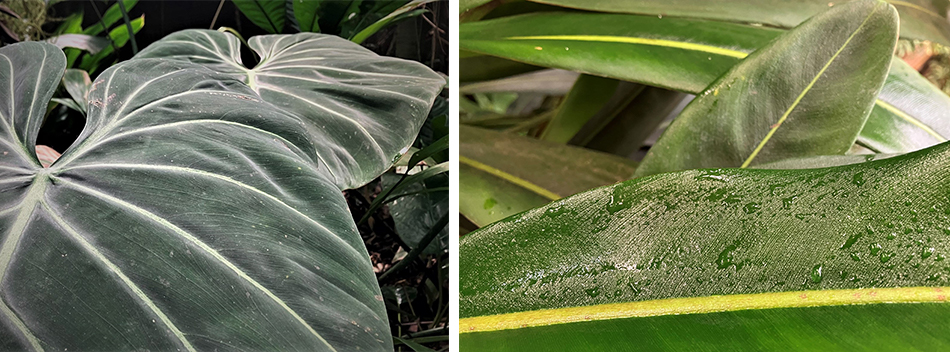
[(510, 178), (703, 305), (642, 41)]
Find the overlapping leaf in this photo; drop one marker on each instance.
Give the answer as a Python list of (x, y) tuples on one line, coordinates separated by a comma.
[(778, 104), (688, 55)]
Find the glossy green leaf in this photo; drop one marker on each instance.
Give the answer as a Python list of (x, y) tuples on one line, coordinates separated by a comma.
[(112, 15), (484, 68), (307, 73), (77, 84), (688, 55), (778, 104), (267, 14), (919, 19), (503, 174), (587, 97), (390, 18), (416, 210), (822, 161), (846, 258), (626, 133), (305, 11), (119, 36), (547, 82), (191, 213)]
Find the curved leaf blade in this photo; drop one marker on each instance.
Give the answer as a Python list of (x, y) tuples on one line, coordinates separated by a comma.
[(778, 104), (189, 215), (267, 14), (502, 174), (920, 19), (324, 78), (626, 47), (735, 249)]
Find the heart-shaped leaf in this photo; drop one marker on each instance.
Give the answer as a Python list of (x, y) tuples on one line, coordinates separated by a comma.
[(191, 214), (778, 104), (324, 79)]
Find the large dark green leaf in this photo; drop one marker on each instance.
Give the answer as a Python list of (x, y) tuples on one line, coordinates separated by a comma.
[(778, 104), (191, 213), (270, 15), (920, 19), (687, 55), (502, 174), (305, 11), (324, 79), (846, 258)]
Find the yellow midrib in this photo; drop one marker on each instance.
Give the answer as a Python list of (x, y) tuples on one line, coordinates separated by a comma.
[(708, 49), (703, 305), (510, 178), (805, 91)]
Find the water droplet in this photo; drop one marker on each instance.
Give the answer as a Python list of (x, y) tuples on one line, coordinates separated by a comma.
[(619, 200), (926, 253), (858, 179), (593, 292), (874, 248), (851, 241), (751, 208), (490, 203), (816, 273), (886, 256)]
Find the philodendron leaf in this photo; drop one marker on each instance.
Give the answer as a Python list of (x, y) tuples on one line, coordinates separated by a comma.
[(267, 14), (687, 55), (502, 174), (919, 19), (323, 79), (778, 103), (190, 214), (845, 258)]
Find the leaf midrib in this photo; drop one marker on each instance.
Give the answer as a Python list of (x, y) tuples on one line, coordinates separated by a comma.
[(702, 305), (510, 178), (805, 91), (680, 45)]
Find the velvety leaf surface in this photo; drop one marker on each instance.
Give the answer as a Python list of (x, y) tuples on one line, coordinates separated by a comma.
[(844, 258), (778, 104), (503, 174), (372, 101), (190, 214), (687, 55), (920, 19)]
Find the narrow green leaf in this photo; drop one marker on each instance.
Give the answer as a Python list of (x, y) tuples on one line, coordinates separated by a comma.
[(691, 55), (778, 104), (547, 82), (120, 35), (502, 174), (307, 16), (844, 258), (112, 15), (588, 96), (919, 19), (267, 14), (383, 22), (821, 161), (484, 68), (80, 41), (626, 133), (78, 84)]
